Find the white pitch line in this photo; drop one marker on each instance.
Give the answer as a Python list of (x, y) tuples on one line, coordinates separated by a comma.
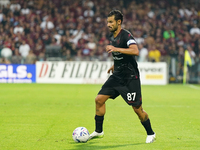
[(194, 87)]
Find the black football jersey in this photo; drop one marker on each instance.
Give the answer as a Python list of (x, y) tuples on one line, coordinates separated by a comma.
[(125, 66)]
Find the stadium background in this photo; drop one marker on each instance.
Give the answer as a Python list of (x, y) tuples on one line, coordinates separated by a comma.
[(65, 30)]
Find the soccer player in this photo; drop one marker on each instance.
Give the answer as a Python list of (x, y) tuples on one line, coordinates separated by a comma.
[(125, 80)]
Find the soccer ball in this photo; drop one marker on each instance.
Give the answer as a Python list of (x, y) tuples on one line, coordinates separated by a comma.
[(80, 134)]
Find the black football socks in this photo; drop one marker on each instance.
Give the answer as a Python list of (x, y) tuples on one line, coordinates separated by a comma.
[(99, 123), (147, 126)]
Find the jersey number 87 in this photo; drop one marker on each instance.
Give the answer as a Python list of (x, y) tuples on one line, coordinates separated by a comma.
[(131, 96)]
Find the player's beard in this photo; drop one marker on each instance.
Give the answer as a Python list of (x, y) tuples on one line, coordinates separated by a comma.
[(114, 28)]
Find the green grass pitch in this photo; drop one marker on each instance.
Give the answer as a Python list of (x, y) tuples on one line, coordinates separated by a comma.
[(43, 117)]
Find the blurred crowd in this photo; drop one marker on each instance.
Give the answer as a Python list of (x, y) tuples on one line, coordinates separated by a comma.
[(38, 30)]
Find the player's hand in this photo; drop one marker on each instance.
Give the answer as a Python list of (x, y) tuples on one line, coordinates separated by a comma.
[(111, 69), (110, 48)]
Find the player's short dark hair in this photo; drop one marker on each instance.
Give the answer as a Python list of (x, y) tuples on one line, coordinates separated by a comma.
[(118, 15)]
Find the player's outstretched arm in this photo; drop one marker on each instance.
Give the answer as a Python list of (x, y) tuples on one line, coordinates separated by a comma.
[(132, 50), (111, 69)]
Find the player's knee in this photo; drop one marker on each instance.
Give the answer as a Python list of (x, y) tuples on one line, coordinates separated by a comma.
[(99, 101), (137, 109)]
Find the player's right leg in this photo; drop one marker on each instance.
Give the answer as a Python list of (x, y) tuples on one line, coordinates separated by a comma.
[(100, 104), (99, 117)]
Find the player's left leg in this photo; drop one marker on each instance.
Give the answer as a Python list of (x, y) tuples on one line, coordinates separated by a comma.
[(143, 116)]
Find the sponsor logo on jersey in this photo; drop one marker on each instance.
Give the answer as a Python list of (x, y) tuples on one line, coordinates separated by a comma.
[(117, 58), (116, 53)]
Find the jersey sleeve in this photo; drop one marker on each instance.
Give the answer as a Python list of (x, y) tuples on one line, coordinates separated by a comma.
[(130, 40)]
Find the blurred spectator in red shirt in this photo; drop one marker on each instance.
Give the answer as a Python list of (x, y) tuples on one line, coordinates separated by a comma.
[(39, 48)]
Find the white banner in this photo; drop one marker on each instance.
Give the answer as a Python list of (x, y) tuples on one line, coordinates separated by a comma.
[(72, 72), (153, 73), (88, 72)]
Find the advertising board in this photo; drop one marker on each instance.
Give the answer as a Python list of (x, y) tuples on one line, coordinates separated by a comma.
[(17, 73), (88, 72)]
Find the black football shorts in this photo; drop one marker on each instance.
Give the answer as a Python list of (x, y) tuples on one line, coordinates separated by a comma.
[(131, 92)]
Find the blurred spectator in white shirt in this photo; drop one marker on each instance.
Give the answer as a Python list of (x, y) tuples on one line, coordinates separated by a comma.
[(192, 54), (47, 24), (25, 10), (91, 44), (139, 40), (194, 30), (1, 15), (13, 7), (4, 2), (88, 3), (88, 12), (57, 37), (143, 55), (24, 49), (18, 28), (184, 11), (77, 34)]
